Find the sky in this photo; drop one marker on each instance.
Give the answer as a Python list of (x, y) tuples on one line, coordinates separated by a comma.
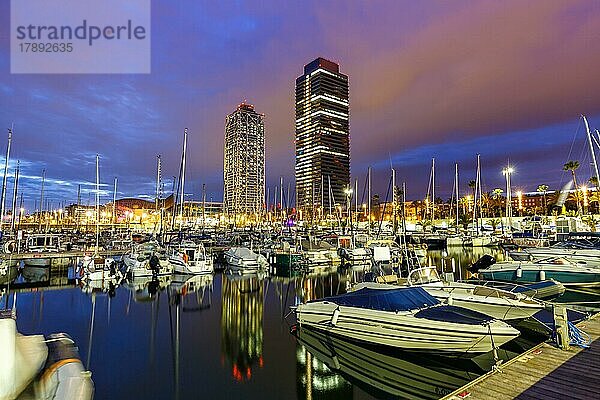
[(429, 79)]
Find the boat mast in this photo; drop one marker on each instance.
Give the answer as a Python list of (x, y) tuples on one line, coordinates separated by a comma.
[(281, 194), (394, 199), (432, 190), (97, 202), (589, 137), (2, 200), (456, 192), (15, 193), (369, 199), (114, 207), (158, 172), (185, 133), (41, 209), (477, 187), (203, 206)]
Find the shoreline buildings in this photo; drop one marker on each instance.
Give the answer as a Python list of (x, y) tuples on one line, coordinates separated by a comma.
[(244, 163), (322, 138)]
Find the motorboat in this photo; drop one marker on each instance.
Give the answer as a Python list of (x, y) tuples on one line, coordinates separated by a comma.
[(577, 248), (147, 259), (96, 268), (495, 302), (557, 268), (408, 318), (242, 259), (190, 258), (40, 245), (35, 367)]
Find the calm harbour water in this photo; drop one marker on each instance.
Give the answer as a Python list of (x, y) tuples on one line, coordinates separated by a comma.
[(226, 337)]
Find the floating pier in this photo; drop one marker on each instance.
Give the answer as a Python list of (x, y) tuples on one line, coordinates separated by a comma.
[(543, 372)]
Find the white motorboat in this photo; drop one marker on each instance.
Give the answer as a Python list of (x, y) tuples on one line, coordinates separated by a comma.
[(243, 259), (40, 245), (96, 268), (408, 318), (497, 303), (50, 368), (560, 269), (190, 258), (147, 259)]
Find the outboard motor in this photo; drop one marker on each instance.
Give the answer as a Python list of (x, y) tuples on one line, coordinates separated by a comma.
[(485, 261)]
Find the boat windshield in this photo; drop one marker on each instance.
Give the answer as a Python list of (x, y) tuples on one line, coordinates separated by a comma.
[(422, 276)]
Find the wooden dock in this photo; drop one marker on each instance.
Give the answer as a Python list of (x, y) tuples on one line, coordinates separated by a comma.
[(543, 372)]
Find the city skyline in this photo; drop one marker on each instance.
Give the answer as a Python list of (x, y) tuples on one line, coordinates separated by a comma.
[(428, 80)]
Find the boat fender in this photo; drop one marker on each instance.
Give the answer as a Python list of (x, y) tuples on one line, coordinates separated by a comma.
[(185, 257), (542, 275), (336, 315), (519, 272), (450, 300)]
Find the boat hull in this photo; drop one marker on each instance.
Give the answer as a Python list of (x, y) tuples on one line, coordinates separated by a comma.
[(403, 330)]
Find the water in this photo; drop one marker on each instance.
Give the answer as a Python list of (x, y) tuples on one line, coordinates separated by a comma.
[(229, 337)]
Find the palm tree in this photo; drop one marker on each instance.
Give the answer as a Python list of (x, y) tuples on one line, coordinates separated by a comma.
[(543, 189), (497, 197), (573, 166)]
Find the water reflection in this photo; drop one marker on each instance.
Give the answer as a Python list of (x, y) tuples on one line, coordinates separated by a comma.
[(389, 374), (242, 323), (159, 338), (314, 380)]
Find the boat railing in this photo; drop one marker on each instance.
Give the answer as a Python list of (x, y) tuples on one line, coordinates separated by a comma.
[(504, 286)]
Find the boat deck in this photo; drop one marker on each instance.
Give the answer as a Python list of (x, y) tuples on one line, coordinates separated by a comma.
[(543, 372)]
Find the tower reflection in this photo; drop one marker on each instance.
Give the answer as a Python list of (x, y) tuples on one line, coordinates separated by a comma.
[(242, 323)]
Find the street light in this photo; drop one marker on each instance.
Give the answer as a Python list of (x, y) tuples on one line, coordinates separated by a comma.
[(507, 172)]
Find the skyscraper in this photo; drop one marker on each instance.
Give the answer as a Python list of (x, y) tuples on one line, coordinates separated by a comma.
[(244, 162), (322, 137)]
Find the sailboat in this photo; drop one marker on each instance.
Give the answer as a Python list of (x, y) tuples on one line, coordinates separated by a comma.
[(94, 267)]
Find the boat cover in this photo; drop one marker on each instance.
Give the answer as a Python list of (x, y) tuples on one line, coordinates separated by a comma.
[(458, 315), (401, 299)]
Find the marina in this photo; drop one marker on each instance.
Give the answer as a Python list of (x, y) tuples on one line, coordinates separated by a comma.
[(311, 200), (239, 328)]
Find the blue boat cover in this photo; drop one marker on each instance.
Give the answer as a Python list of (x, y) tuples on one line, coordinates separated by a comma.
[(454, 314), (401, 299)]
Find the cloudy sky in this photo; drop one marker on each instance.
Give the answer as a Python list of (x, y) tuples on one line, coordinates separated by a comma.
[(440, 79)]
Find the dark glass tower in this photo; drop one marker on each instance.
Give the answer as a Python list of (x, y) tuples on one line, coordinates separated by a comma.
[(322, 137)]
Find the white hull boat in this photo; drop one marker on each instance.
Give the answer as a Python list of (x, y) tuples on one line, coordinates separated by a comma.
[(191, 258), (146, 260), (242, 259), (405, 318)]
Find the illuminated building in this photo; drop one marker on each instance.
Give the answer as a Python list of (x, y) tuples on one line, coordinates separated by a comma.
[(244, 162), (322, 136)]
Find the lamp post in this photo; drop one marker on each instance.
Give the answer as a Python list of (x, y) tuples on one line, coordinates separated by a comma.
[(507, 173)]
